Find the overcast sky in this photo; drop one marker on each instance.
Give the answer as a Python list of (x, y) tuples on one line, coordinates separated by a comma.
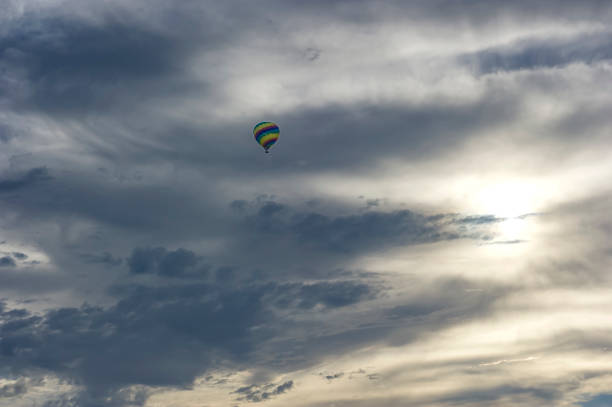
[(432, 229)]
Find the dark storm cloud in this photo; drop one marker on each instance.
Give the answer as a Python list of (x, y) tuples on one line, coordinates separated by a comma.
[(145, 260), (13, 389), (6, 133), (328, 294), (7, 262), (541, 53), (123, 398), (66, 65), (256, 394), (361, 232), (63, 64), (20, 256), (177, 263), (137, 206), (32, 282), (178, 331), (186, 330), (12, 314), (183, 330), (31, 177), (104, 258)]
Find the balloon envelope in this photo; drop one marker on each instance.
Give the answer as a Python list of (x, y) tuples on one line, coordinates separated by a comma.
[(266, 134)]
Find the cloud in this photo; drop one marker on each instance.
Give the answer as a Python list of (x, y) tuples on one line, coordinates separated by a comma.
[(132, 397), (334, 376), (479, 220), (175, 263), (13, 389), (363, 232), (145, 260), (142, 112), (256, 394), (104, 258), (6, 133), (7, 262), (312, 54), (140, 330), (515, 241), (20, 256), (112, 204), (184, 330), (31, 177), (187, 330), (68, 65), (537, 53), (32, 283), (333, 294), (508, 393)]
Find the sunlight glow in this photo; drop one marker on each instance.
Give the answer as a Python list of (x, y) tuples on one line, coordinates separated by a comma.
[(512, 229), (506, 199)]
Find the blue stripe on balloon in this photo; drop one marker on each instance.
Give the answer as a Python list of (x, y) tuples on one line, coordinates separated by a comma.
[(265, 129)]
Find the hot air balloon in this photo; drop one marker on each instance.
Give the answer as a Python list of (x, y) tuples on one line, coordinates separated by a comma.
[(266, 134)]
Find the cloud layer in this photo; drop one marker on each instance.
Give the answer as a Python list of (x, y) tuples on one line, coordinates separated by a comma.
[(431, 228)]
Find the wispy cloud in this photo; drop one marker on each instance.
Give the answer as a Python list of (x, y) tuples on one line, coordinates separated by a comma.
[(432, 227)]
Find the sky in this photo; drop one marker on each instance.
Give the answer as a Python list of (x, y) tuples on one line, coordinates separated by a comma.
[(432, 228)]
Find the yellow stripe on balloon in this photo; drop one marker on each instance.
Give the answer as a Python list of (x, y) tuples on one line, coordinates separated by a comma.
[(267, 137), (262, 125)]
